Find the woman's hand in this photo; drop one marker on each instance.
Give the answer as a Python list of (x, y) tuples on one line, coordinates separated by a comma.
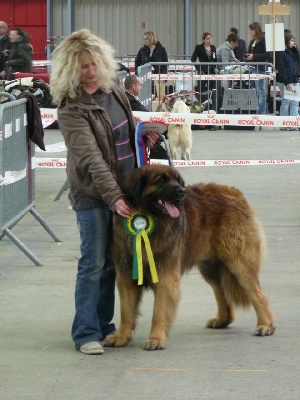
[(123, 209), (290, 88), (153, 138)]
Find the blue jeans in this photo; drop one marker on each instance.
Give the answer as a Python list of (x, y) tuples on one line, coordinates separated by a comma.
[(288, 107), (260, 87), (95, 284)]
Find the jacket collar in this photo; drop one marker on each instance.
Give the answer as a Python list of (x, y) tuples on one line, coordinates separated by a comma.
[(85, 100)]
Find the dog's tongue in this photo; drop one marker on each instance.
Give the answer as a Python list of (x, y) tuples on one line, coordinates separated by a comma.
[(172, 210)]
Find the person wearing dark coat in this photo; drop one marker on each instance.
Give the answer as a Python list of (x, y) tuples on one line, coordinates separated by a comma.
[(153, 51), (287, 64), (257, 53), (133, 86), (206, 52), (5, 46), (241, 48), (20, 56)]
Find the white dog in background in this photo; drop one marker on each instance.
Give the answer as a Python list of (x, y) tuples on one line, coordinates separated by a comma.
[(180, 136)]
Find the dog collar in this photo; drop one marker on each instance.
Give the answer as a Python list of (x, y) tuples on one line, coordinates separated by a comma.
[(140, 226)]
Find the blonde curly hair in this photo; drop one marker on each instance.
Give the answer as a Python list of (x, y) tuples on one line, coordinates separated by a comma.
[(66, 64)]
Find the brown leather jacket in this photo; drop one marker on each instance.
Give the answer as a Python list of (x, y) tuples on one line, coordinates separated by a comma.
[(92, 159)]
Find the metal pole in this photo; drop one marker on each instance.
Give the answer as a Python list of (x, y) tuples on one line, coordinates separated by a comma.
[(187, 26), (49, 30), (69, 17)]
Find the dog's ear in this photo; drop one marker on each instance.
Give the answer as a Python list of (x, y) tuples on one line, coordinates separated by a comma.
[(134, 185)]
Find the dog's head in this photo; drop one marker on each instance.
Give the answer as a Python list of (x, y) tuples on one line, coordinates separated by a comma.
[(156, 189), (180, 107)]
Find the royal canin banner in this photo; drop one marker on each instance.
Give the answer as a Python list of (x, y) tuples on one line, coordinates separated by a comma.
[(270, 121), (49, 115), (203, 77)]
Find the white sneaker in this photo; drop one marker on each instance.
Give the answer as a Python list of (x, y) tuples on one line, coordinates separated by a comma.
[(91, 348)]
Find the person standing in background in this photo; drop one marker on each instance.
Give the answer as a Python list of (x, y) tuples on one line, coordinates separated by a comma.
[(241, 49), (5, 46), (206, 52), (257, 53), (288, 66), (20, 55), (153, 51)]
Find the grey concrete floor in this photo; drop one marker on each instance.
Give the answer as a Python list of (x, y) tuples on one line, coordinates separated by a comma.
[(37, 356)]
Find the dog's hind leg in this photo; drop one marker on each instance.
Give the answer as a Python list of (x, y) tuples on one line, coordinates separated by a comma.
[(187, 154), (167, 295), (173, 152), (211, 272), (250, 286), (260, 303), (130, 296)]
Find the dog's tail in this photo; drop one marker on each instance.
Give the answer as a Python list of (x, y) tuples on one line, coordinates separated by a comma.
[(234, 291)]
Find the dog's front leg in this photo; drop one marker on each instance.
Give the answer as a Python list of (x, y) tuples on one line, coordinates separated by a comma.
[(130, 296), (166, 295)]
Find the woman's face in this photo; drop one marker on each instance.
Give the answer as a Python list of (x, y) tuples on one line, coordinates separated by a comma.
[(252, 32), (146, 41), (234, 44), (208, 40), (291, 43), (88, 70), (13, 36)]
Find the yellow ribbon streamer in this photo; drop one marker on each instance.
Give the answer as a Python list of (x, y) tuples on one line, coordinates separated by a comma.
[(142, 234)]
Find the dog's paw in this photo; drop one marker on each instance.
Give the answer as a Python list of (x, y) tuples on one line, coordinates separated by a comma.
[(116, 340), (216, 323), (264, 330), (154, 344)]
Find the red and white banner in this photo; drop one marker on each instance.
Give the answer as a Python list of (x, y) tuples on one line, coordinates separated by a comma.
[(203, 77), (62, 162), (49, 115), (49, 162), (269, 121), (223, 163)]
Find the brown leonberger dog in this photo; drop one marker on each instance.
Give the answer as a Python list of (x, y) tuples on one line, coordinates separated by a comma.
[(208, 226)]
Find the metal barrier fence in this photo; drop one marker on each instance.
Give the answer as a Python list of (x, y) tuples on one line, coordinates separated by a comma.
[(129, 60), (206, 91), (17, 178), (122, 76)]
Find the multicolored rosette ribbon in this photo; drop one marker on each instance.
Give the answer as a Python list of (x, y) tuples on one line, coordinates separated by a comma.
[(140, 226), (141, 130)]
